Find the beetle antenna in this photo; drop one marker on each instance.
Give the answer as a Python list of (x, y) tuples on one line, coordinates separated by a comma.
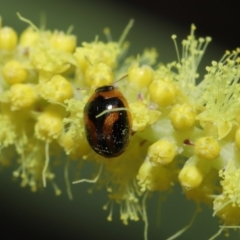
[(121, 78)]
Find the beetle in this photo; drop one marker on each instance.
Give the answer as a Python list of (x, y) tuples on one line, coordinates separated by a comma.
[(108, 122)]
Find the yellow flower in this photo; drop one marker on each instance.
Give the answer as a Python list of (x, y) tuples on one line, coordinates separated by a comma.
[(182, 133)]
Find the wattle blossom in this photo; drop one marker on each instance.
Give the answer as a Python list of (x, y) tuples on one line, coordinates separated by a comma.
[(185, 126)]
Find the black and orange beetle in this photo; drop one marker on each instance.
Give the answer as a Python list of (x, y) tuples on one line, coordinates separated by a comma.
[(107, 122)]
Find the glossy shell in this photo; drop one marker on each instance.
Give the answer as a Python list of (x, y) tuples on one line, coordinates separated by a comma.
[(108, 134)]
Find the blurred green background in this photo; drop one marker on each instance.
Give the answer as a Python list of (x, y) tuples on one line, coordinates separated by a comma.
[(25, 215)]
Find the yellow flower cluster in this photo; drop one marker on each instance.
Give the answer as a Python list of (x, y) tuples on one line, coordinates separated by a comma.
[(183, 132)]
